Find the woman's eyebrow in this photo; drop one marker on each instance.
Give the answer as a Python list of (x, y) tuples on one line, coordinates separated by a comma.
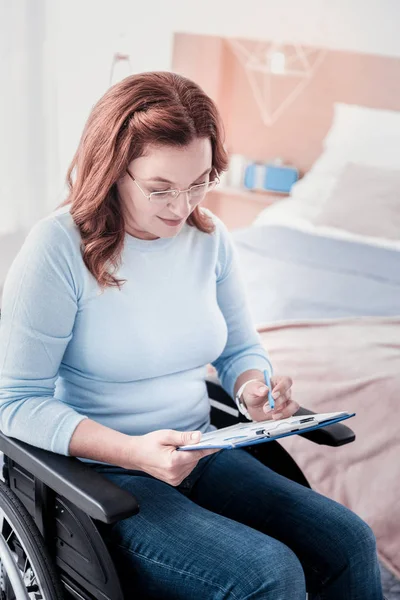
[(162, 180)]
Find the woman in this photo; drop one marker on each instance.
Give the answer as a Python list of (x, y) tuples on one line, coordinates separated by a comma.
[(112, 310)]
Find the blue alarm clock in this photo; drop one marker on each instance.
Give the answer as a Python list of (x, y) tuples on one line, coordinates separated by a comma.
[(272, 177)]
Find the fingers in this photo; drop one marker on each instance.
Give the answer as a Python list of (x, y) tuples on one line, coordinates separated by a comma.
[(280, 403), (198, 454), (171, 437), (208, 452), (281, 392), (285, 410), (193, 456), (282, 387), (256, 394)]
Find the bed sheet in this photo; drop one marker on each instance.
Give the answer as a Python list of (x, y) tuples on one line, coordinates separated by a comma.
[(350, 364), (292, 274)]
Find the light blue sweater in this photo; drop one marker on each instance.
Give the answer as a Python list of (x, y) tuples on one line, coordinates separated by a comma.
[(132, 359)]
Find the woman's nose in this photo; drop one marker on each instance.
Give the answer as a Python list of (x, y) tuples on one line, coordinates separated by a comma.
[(181, 204)]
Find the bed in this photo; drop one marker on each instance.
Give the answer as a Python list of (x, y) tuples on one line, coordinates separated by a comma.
[(321, 271)]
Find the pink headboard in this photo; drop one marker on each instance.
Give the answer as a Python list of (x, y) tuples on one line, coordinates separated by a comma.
[(297, 134)]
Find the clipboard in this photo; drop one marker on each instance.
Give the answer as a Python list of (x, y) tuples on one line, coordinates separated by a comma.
[(257, 432)]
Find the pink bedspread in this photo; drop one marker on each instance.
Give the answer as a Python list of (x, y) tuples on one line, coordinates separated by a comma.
[(353, 365)]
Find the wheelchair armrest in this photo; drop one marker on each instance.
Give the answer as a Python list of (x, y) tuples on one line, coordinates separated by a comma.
[(331, 435), (96, 495)]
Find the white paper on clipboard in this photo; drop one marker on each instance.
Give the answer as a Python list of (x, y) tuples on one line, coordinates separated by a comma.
[(243, 434)]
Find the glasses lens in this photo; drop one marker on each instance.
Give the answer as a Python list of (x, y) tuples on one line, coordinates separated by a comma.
[(163, 197), (197, 192)]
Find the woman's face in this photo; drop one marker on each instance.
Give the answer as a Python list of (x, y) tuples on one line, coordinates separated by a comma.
[(161, 169)]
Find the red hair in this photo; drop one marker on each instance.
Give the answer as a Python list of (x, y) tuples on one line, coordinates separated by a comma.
[(147, 108)]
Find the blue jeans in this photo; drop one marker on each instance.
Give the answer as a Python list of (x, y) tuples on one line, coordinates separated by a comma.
[(234, 529)]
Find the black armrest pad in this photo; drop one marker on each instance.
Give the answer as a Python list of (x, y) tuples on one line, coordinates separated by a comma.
[(96, 495), (332, 435)]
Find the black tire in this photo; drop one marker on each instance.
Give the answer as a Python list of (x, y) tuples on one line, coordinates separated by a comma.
[(27, 535)]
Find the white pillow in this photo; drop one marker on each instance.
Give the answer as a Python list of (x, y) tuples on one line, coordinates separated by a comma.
[(367, 136), (354, 125), (365, 201)]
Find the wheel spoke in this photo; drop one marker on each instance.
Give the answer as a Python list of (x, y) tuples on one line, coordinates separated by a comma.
[(22, 563), (28, 575), (10, 534)]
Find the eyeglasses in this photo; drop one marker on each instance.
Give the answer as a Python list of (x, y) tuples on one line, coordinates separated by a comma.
[(196, 192)]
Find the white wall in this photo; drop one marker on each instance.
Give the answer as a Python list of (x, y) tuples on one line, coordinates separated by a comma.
[(87, 34), (26, 127)]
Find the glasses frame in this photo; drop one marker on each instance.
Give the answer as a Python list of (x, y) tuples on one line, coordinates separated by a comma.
[(216, 180)]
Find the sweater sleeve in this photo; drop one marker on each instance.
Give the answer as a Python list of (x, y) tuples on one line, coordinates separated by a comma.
[(40, 301), (243, 350)]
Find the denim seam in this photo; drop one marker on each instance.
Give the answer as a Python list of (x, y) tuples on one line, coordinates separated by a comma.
[(182, 572)]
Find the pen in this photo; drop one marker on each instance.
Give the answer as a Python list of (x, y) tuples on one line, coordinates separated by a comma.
[(268, 384)]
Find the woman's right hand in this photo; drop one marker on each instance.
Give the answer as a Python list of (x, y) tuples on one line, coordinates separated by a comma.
[(156, 453)]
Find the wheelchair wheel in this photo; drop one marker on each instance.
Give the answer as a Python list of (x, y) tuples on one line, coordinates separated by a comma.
[(22, 542)]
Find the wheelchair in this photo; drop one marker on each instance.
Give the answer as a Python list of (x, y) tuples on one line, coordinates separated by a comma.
[(52, 508)]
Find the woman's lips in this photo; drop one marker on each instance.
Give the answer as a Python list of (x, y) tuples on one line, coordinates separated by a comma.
[(170, 222)]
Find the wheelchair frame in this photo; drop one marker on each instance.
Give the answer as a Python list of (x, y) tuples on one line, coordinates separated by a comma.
[(69, 501)]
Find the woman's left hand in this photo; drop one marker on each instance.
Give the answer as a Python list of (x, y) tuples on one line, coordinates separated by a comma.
[(255, 396)]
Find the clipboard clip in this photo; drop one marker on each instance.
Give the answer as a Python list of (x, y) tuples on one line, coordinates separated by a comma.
[(292, 427)]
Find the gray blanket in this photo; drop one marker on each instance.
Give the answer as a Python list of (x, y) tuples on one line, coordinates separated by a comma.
[(292, 275)]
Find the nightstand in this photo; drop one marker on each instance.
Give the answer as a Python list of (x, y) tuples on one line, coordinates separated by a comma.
[(239, 207)]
